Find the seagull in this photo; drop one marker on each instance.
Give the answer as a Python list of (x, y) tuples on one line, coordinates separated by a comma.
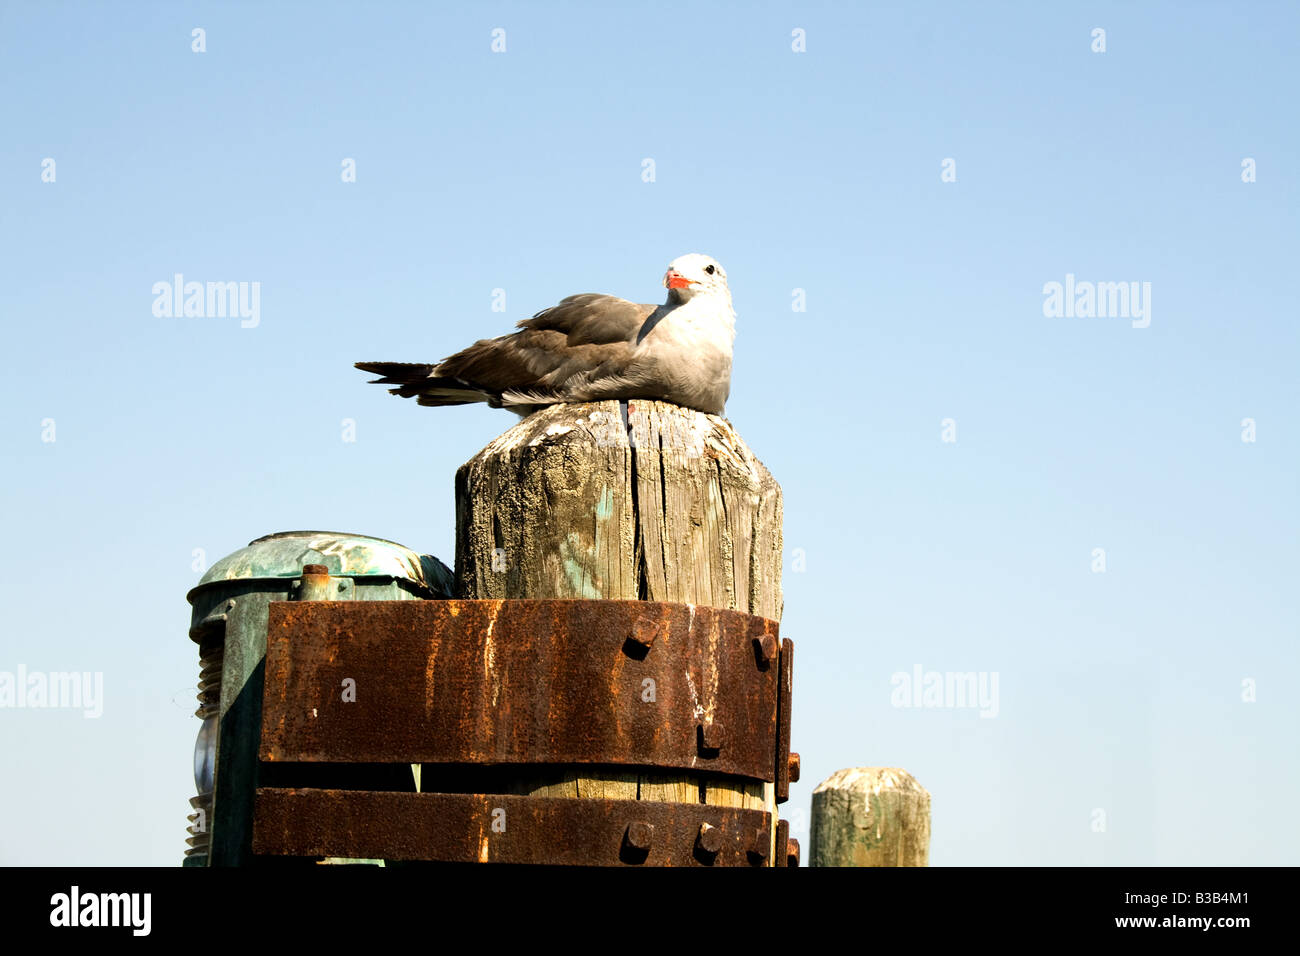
[(593, 347)]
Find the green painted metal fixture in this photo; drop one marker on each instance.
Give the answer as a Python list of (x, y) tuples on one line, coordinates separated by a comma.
[(230, 606)]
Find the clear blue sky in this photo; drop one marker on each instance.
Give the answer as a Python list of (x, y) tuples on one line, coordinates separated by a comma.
[(1120, 691)]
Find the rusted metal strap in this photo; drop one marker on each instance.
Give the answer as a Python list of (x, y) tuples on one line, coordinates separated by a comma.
[(624, 683), (787, 847), (493, 828), (784, 762)]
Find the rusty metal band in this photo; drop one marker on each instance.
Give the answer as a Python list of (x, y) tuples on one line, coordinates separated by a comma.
[(625, 683), (784, 699), (495, 828)]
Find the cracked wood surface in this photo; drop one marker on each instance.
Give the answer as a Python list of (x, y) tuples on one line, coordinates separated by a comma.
[(570, 503), (655, 503)]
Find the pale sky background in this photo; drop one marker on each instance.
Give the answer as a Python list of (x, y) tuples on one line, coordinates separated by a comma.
[(1120, 691)]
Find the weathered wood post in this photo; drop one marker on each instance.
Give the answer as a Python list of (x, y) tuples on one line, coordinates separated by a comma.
[(642, 500), (870, 816)]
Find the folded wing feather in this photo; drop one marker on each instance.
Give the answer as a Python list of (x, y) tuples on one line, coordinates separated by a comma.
[(561, 353)]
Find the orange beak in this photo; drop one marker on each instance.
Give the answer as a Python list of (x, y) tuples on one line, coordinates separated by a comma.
[(675, 280)]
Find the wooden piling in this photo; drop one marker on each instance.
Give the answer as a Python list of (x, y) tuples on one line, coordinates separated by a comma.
[(644, 501), (870, 816)]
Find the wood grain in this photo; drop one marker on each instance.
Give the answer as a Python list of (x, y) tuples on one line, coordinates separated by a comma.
[(646, 501), (870, 816)]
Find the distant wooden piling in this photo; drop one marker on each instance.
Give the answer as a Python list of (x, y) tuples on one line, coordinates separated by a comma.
[(667, 504), (870, 816)]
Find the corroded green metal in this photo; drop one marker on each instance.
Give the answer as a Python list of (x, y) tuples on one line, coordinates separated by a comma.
[(283, 555), (230, 607)]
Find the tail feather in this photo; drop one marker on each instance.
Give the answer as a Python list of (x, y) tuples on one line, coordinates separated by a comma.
[(415, 379)]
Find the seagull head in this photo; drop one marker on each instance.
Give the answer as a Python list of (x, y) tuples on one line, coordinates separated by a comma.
[(695, 275)]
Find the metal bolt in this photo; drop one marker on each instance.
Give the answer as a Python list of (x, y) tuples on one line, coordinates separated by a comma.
[(315, 583), (644, 632), (761, 844), (794, 767), (640, 835), (709, 839), (766, 647), (711, 735), (792, 852)]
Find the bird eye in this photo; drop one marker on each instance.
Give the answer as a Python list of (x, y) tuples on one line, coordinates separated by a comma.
[(709, 269)]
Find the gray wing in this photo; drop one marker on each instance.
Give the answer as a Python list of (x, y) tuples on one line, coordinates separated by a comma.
[(584, 338), (592, 319)]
